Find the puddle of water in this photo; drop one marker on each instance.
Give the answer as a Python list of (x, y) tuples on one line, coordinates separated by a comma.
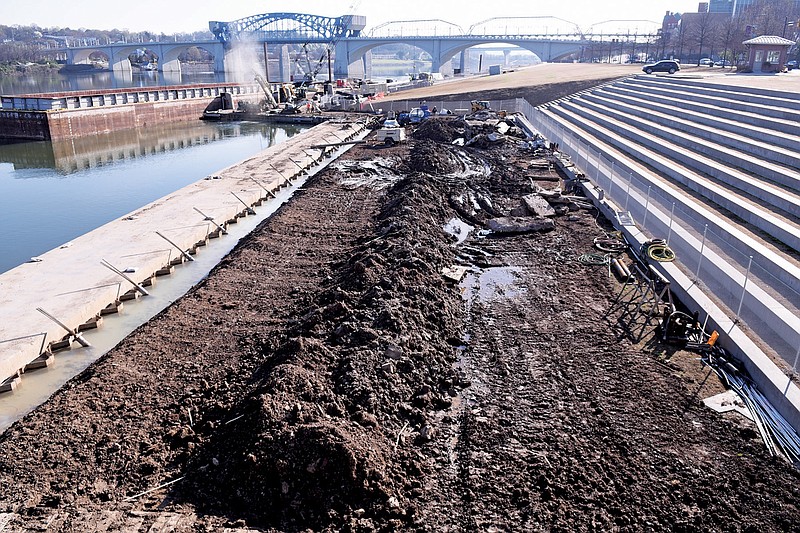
[(38, 385), (492, 283), (458, 229)]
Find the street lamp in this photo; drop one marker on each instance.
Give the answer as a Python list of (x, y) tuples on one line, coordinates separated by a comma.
[(787, 24)]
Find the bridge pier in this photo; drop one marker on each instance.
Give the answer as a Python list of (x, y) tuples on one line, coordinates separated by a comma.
[(173, 67), (122, 65), (350, 64), (284, 64)]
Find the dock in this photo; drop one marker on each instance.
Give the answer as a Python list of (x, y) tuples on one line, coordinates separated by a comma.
[(46, 304), (55, 116)]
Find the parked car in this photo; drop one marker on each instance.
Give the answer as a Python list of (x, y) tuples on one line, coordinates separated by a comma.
[(666, 65), (791, 64), (707, 62)]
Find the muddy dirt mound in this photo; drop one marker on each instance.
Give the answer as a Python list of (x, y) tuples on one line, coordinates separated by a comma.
[(290, 465), (440, 130), (353, 377), (429, 157)]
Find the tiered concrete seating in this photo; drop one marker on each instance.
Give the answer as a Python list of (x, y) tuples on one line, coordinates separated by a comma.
[(729, 156)]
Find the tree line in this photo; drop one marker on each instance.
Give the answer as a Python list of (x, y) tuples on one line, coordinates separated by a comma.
[(720, 36), (34, 44)]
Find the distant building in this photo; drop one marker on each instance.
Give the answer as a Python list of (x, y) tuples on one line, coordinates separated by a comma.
[(721, 6), (670, 22), (731, 7), (740, 5)]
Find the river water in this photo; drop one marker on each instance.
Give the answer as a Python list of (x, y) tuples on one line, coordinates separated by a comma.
[(51, 193), (52, 81)]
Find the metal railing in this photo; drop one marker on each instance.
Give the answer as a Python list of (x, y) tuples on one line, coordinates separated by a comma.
[(757, 293)]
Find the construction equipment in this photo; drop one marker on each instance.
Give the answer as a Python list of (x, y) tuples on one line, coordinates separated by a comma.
[(479, 105), (271, 103), (391, 132), (418, 114), (681, 328)]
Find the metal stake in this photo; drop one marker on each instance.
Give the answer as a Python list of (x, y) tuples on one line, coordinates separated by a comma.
[(260, 185), (211, 219), (250, 210), (78, 336), (744, 289), (41, 348), (646, 207), (302, 170), (611, 178), (628, 192), (182, 251), (597, 169), (702, 247), (122, 274), (281, 173), (671, 216)]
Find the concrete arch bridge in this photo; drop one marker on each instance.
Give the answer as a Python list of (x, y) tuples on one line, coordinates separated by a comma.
[(167, 53), (549, 38), (352, 55)]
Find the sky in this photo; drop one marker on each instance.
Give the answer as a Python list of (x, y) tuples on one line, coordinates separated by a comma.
[(185, 16)]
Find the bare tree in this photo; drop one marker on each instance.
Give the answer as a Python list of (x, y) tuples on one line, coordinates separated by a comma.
[(730, 38), (679, 39), (703, 30), (771, 17)]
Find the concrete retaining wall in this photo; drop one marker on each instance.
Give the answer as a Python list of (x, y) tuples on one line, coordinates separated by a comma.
[(30, 125)]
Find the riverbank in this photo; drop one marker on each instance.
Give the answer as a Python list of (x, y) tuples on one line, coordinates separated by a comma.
[(90, 277), (26, 69), (326, 376)]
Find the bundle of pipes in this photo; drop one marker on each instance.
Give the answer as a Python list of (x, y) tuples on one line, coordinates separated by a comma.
[(778, 435)]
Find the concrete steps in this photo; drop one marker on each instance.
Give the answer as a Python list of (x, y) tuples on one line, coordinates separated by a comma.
[(768, 207), (684, 102), (689, 158), (776, 111), (775, 163), (659, 113)]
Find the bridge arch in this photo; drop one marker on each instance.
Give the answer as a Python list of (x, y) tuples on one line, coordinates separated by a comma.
[(350, 57), (545, 50), (350, 53), (170, 60), (289, 25)]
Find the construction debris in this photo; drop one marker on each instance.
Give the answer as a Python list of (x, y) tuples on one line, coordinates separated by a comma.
[(537, 206), (520, 224)]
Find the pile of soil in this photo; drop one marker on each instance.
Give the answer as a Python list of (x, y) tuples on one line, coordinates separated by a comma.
[(442, 131), (316, 441), (328, 376)]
